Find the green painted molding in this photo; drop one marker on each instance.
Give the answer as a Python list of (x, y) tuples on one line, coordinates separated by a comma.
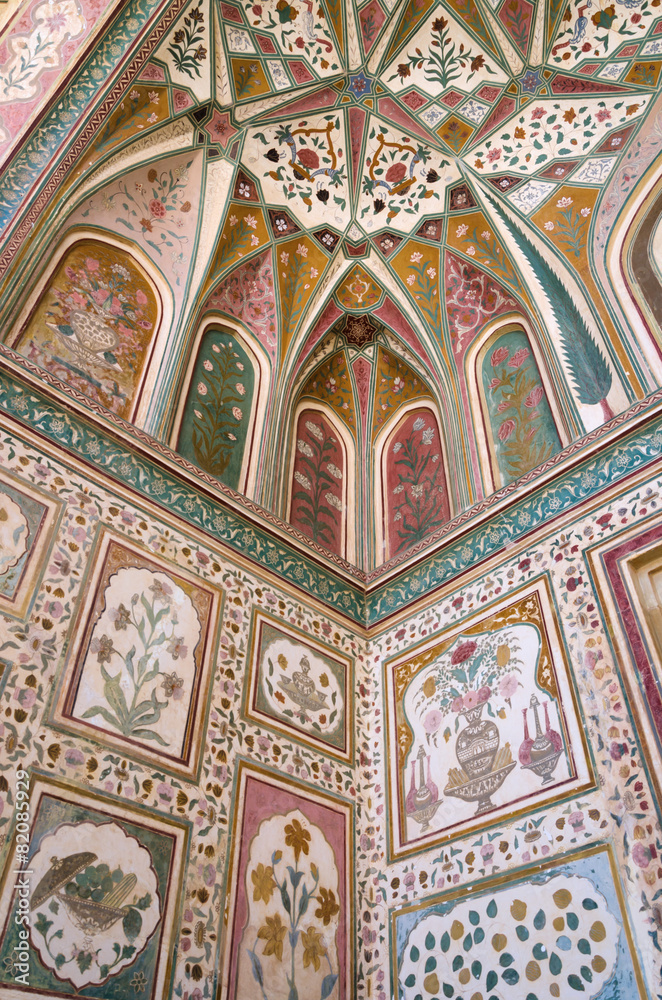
[(348, 591)]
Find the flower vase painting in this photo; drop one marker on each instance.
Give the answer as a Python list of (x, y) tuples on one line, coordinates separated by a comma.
[(27, 522), (94, 325), (143, 657), (486, 723)]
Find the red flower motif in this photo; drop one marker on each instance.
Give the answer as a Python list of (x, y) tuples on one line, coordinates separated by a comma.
[(499, 355), (506, 429), (463, 652), (534, 397), (396, 173), (519, 357), (157, 208), (308, 158)]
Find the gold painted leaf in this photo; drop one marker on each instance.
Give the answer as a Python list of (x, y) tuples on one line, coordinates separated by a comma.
[(597, 931), (457, 930), (518, 909), (499, 942), (562, 897), (532, 971), (431, 983)]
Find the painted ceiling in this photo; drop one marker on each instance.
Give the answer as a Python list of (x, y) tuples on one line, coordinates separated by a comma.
[(365, 189)]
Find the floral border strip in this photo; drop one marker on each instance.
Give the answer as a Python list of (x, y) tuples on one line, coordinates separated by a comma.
[(143, 476), (576, 487), (33, 157)]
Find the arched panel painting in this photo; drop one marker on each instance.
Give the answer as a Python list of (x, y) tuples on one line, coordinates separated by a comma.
[(94, 324), (318, 486), (416, 496), (216, 416), (521, 425)]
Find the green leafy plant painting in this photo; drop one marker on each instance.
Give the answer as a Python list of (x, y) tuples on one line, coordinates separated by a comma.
[(523, 431), (588, 367), (139, 666), (443, 62), (187, 49), (217, 410), (416, 483)]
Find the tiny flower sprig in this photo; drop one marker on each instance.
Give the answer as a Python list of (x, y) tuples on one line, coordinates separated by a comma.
[(570, 225), (186, 48), (443, 63)]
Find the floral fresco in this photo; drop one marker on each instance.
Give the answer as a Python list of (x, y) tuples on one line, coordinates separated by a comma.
[(416, 500), (216, 417), (331, 384), (138, 676), (522, 429), (156, 206), (480, 723), (94, 324), (304, 166), (289, 921), (28, 518), (248, 294), (300, 686), (473, 299), (575, 909), (100, 896), (318, 482), (403, 178), (330, 464)]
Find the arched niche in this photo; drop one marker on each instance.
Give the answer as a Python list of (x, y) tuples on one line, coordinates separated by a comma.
[(634, 267), (93, 321), (515, 412), (411, 489), (221, 407), (321, 499)]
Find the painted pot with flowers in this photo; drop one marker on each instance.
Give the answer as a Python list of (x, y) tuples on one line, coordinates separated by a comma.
[(478, 744), (474, 682)]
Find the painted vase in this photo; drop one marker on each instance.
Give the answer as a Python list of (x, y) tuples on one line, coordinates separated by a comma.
[(542, 747), (478, 743)]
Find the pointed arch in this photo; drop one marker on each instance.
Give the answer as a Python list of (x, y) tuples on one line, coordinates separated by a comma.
[(634, 265), (516, 415), (321, 479), (409, 472), (95, 319), (221, 407)]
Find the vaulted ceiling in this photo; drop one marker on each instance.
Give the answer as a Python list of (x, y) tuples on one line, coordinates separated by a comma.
[(351, 182)]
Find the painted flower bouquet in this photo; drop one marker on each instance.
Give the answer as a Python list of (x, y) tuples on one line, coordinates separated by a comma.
[(478, 670)]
